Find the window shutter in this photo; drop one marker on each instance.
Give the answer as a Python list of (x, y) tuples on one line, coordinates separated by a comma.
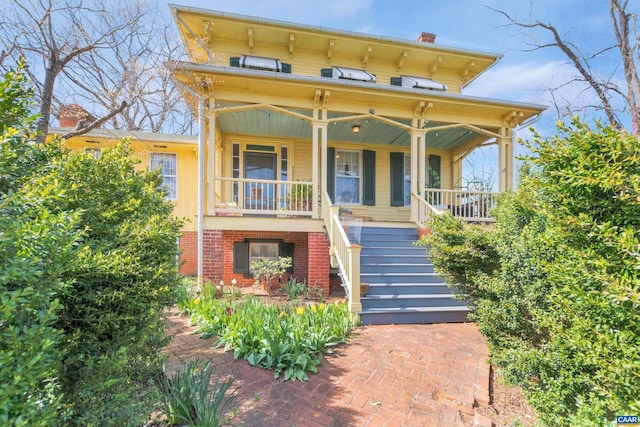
[(234, 61), (434, 171), (396, 81), (397, 179), (286, 68), (286, 250), (241, 257), (326, 72), (331, 173), (369, 177)]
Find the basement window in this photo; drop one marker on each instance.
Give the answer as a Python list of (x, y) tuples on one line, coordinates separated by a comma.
[(412, 82), (260, 63), (251, 250), (348, 74)]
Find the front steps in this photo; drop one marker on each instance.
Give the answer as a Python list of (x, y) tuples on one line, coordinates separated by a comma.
[(403, 288)]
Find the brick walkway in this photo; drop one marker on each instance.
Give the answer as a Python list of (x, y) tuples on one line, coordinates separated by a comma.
[(394, 375)]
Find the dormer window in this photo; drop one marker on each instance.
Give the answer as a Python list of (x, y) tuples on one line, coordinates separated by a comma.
[(260, 63), (348, 74), (412, 82)]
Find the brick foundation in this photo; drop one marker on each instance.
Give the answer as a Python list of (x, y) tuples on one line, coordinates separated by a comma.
[(311, 255), (189, 253)]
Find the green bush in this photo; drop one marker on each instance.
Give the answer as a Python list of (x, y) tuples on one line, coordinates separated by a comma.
[(87, 263), (560, 306), (37, 242)]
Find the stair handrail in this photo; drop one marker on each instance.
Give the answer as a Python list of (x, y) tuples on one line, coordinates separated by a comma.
[(344, 254), (422, 211)]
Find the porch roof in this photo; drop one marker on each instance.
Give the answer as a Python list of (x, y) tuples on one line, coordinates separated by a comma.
[(232, 86)]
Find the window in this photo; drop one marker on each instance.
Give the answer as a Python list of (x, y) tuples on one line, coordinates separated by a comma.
[(262, 250), (347, 177), (244, 253), (93, 152), (167, 163)]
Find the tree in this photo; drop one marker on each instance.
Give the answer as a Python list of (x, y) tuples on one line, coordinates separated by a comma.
[(623, 22), (106, 56)]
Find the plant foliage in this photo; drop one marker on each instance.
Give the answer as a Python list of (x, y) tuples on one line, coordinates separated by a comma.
[(87, 261), (555, 286), (192, 399), (287, 339)]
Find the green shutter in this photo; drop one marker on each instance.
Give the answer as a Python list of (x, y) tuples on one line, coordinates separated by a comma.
[(397, 179), (286, 250), (241, 257), (331, 173), (396, 81), (369, 178), (326, 72), (234, 61), (434, 171), (286, 68)]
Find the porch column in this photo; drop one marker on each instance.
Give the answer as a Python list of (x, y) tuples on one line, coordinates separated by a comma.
[(422, 167), (505, 160), (211, 158), (319, 168)]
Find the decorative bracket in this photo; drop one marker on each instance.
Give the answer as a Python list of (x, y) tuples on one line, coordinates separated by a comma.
[(365, 60), (421, 110), (206, 34), (512, 119), (292, 38), (435, 65), (250, 36), (405, 54), (464, 76), (330, 49)]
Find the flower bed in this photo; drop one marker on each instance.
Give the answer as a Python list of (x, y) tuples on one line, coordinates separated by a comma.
[(288, 338)]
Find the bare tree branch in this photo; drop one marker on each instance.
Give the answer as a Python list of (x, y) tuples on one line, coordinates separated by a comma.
[(96, 123)]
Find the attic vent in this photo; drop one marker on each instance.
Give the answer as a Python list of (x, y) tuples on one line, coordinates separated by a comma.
[(349, 74), (418, 83), (260, 63)]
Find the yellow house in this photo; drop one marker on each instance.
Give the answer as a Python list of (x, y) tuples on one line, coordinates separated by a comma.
[(331, 147)]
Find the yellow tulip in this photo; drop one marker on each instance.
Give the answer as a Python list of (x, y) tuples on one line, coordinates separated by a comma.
[(196, 301), (300, 310), (321, 305)]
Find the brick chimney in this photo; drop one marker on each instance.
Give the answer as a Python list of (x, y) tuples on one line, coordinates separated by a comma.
[(74, 116), (427, 37)]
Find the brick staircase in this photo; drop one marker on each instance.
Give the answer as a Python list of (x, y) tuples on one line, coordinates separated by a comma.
[(403, 288)]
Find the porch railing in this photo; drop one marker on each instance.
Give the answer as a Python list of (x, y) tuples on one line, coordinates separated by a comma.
[(470, 206), (344, 254), (264, 197)]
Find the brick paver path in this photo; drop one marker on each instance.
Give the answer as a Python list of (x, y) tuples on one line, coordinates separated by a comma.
[(392, 375)]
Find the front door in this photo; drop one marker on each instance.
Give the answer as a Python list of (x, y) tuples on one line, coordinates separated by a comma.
[(261, 167)]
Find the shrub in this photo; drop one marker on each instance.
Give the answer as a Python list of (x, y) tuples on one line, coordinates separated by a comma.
[(266, 270), (37, 242), (560, 306), (87, 264)]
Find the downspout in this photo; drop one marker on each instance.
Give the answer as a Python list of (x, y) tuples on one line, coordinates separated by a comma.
[(200, 213)]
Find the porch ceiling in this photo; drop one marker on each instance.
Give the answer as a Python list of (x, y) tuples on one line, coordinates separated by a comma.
[(264, 122)]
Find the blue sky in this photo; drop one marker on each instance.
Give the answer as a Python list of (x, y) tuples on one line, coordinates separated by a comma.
[(471, 24)]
